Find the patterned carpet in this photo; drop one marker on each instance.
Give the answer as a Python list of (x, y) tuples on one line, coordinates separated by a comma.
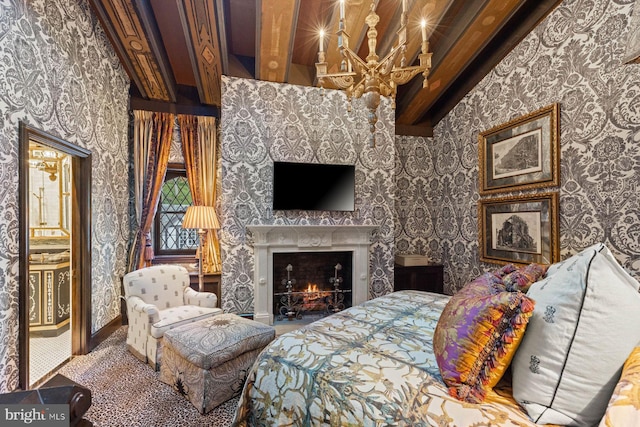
[(127, 392)]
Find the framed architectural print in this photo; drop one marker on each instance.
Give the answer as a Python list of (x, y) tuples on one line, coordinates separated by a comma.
[(521, 154), (632, 55), (519, 230)]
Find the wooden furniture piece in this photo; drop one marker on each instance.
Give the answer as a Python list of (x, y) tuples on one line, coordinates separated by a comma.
[(49, 298), (421, 278), (211, 283), (58, 390)]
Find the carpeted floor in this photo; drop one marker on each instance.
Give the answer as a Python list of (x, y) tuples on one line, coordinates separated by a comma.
[(127, 392)]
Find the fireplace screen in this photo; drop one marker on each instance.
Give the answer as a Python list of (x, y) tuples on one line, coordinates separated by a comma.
[(311, 284)]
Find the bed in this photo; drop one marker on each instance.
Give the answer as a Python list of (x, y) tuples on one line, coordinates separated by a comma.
[(372, 364), (518, 346)]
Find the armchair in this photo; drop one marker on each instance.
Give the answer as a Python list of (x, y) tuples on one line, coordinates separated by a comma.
[(159, 299)]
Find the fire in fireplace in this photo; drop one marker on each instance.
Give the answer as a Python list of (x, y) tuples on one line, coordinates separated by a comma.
[(311, 283)]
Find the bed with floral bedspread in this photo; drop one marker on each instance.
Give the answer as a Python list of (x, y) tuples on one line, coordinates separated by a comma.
[(370, 365)]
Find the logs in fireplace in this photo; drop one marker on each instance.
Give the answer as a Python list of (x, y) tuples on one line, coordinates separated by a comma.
[(319, 293)]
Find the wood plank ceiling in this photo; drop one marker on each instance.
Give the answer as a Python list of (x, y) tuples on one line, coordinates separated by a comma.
[(175, 51)]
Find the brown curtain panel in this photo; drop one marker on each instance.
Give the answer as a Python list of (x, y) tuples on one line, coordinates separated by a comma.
[(152, 143), (199, 147)]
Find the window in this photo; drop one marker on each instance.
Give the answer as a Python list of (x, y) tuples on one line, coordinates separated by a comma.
[(169, 238)]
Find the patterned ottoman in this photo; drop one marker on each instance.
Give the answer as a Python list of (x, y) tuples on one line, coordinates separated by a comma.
[(207, 361)]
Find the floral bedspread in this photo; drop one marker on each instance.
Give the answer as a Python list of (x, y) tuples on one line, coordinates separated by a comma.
[(370, 365)]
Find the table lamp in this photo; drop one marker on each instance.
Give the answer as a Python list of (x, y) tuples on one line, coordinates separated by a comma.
[(203, 218)]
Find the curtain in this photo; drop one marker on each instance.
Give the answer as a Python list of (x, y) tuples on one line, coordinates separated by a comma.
[(152, 134), (199, 147)]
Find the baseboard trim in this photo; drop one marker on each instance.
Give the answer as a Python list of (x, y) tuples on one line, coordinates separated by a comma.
[(104, 332)]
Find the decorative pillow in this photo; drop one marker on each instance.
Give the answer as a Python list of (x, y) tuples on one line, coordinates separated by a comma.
[(624, 406), (584, 326), (504, 270), (521, 279), (477, 334)]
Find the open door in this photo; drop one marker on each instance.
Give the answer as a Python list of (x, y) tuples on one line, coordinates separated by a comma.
[(55, 257)]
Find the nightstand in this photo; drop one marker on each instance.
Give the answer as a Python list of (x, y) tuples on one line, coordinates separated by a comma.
[(420, 278)]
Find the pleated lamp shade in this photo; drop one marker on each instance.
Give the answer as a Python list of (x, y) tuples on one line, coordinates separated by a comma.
[(201, 217)]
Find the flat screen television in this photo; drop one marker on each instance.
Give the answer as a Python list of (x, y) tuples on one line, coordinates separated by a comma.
[(313, 186)]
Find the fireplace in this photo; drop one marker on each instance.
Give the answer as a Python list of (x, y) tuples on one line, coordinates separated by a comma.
[(311, 284), (273, 239)]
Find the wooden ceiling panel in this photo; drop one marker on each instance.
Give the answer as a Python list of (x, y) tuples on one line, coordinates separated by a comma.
[(313, 15), (130, 26), (168, 19), (199, 24), (481, 29), (242, 27), (276, 28)]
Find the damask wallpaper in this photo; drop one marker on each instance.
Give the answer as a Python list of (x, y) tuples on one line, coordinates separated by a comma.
[(263, 122), (59, 73), (573, 57)]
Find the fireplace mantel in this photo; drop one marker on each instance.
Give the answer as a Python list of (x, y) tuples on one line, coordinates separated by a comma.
[(269, 239)]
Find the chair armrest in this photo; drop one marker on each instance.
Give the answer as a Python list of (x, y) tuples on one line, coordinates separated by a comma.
[(138, 305), (201, 299)]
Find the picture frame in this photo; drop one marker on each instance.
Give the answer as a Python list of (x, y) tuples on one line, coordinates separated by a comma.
[(519, 229), (632, 53), (521, 154)]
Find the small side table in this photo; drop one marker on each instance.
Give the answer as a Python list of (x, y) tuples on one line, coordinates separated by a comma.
[(428, 278), (211, 283)]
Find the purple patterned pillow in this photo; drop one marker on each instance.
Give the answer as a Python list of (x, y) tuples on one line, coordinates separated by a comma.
[(522, 278), (477, 335)]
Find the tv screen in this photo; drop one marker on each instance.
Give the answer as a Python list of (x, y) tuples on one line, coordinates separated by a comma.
[(312, 186)]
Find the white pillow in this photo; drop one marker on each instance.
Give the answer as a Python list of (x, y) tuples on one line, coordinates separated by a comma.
[(585, 323)]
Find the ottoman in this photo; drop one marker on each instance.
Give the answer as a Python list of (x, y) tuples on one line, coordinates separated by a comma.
[(208, 361)]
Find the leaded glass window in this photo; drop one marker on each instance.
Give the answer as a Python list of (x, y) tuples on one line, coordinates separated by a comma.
[(175, 198)]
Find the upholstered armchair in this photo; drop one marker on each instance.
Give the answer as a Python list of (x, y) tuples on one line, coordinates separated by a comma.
[(159, 299)]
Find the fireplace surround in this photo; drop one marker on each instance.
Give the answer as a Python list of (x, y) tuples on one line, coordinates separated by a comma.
[(270, 239)]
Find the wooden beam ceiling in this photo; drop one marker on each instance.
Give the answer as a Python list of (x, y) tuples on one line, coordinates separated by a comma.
[(132, 29), (198, 19), (276, 29), (176, 51)]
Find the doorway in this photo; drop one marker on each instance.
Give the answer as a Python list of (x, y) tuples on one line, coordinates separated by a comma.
[(55, 258)]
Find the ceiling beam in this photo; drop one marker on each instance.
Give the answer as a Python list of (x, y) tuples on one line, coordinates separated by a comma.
[(276, 29), (451, 25), (476, 52), (198, 19), (419, 130), (134, 35), (522, 23), (223, 17), (483, 27)]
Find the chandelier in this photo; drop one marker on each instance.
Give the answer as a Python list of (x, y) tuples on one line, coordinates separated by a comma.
[(373, 78)]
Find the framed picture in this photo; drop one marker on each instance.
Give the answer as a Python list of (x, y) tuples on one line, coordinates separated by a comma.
[(521, 154), (519, 230), (632, 54)]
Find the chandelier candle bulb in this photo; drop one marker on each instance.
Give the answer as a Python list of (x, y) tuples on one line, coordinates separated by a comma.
[(342, 9), (322, 40), (423, 26)]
